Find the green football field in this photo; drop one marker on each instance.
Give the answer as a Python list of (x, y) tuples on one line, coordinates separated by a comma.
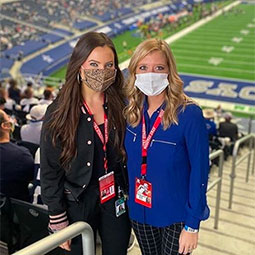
[(223, 47)]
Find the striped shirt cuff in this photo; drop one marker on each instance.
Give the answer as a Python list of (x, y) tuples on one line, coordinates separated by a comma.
[(58, 222)]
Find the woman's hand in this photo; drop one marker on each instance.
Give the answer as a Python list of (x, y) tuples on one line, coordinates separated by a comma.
[(66, 245), (187, 242), (57, 223)]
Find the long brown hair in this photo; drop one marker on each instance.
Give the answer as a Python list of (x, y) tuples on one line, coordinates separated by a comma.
[(175, 96), (64, 120)]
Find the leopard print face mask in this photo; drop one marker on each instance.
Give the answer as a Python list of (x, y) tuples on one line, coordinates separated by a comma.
[(98, 79)]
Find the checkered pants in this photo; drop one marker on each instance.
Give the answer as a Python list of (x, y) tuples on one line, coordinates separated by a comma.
[(158, 241)]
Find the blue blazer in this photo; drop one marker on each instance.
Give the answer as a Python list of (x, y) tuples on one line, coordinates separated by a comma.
[(177, 167)]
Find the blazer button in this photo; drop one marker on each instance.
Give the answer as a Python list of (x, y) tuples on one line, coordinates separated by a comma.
[(88, 164), (89, 142), (89, 119), (84, 186)]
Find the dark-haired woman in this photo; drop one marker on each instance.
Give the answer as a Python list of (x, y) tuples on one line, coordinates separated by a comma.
[(82, 175)]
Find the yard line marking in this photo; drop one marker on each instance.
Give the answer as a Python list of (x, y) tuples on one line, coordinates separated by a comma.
[(223, 29), (251, 25), (227, 49), (213, 38), (237, 39), (212, 42), (220, 31), (225, 60), (215, 61), (220, 36), (218, 53), (217, 68), (245, 32), (210, 49)]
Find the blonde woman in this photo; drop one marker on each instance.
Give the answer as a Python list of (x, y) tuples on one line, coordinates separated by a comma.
[(167, 152)]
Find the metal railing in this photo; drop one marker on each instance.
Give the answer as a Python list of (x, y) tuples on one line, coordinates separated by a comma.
[(253, 164), (50, 242), (217, 154), (249, 138)]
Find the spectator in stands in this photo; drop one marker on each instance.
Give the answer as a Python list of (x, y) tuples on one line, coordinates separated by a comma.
[(218, 113), (215, 142), (29, 100), (14, 91), (2, 103), (29, 85), (167, 195), (48, 97), (76, 153), (31, 132), (209, 121), (9, 103), (228, 128), (36, 189), (17, 166)]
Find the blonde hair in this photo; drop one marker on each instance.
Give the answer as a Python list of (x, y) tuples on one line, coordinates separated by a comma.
[(175, 96)]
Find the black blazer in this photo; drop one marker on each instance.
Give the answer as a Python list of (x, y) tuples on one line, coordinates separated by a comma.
[(56, 182)]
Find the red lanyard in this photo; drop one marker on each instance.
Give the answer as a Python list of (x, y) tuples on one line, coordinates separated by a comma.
[(146, 140), (104, 139)]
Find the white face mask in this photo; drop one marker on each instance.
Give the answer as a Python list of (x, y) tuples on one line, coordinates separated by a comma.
[(151, 84)]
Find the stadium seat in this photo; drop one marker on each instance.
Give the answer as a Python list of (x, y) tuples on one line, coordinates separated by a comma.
[(9, 230), (33, 223), (30, 107), (23, 223), (32, 220), (9, 112), (21, 116), (32, 147), (16, 133)]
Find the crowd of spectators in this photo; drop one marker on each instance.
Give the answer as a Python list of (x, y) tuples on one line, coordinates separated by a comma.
[(15, 34), (186, 16), (18, 102), (19, 170), (21, 117), (49, 14)]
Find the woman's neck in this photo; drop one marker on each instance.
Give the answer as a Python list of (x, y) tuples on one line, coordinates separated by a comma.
[(95, 101), (154, 102), (90, 96)]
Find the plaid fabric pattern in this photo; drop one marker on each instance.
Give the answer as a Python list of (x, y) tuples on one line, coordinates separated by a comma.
[(158, 241)]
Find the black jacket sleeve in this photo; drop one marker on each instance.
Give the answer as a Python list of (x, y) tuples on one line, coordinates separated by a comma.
[(52, 174)]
